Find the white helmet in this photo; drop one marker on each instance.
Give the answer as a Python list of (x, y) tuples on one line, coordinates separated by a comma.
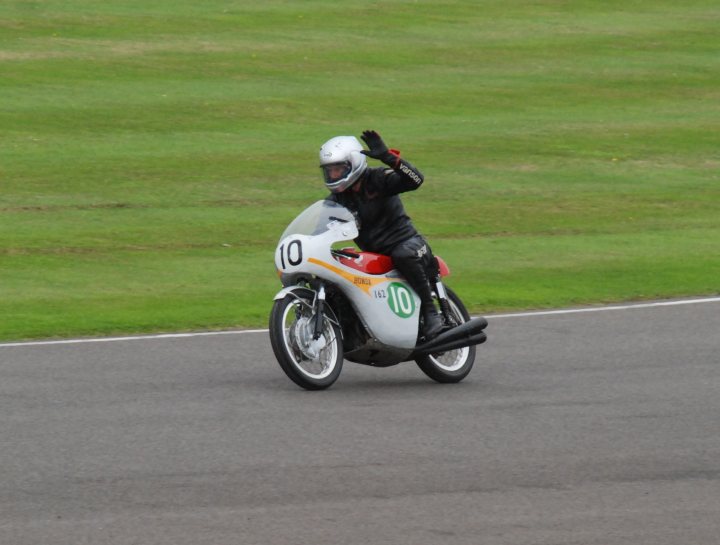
[(343, 152)]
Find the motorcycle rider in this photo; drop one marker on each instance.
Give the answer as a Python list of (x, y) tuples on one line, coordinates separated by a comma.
[(372, 194)]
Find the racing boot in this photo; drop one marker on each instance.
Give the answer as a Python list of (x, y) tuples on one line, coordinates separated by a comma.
[(433, 322)]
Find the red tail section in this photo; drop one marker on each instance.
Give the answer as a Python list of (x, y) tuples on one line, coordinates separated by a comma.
[(370, 263), (444, 269)]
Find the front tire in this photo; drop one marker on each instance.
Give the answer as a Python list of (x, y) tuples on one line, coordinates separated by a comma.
[(311, 364), (453, 365)]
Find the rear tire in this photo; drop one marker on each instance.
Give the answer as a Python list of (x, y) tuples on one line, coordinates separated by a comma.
[(453, 365), (313, 365)]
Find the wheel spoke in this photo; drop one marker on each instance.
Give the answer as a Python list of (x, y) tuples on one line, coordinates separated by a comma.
[(452, 360), (316, 364)]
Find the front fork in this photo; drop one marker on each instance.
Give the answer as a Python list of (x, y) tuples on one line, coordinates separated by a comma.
[(318, 308)]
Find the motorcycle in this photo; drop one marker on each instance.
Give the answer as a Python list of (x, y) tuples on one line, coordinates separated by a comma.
[(341, 303)]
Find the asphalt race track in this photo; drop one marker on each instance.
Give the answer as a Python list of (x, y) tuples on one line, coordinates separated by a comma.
[(585, 428)]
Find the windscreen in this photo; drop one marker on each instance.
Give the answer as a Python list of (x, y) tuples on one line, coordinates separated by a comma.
[(315, 219)]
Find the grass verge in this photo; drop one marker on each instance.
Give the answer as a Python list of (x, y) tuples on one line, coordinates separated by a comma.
[(150, 155)]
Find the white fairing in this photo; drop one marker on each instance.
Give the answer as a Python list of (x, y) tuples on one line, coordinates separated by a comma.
[(386, 303)]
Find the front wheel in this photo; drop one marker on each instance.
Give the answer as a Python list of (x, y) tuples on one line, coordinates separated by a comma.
[(313, 364), (453, 365)]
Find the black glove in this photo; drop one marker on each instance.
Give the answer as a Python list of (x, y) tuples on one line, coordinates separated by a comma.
[(378, 149)]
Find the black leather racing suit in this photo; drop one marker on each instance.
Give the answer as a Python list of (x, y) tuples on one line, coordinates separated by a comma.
[(385, 228)]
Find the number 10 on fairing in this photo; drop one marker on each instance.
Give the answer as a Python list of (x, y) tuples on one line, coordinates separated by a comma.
[(400, 300)]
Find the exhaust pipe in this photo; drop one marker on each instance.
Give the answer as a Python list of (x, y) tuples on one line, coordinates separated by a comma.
[(478, 338), (467, 334)]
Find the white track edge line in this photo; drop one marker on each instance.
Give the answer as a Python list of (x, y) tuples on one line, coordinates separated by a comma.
[(134, 338), (606, 308), (245, 331)]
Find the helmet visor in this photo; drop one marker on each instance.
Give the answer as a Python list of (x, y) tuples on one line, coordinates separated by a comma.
[(335, 172)]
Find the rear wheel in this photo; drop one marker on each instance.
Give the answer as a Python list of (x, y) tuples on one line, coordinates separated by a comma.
[(453, 365), (313, 364)]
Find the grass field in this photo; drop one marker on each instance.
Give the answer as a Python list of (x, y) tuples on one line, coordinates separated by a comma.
[(152, 152)]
